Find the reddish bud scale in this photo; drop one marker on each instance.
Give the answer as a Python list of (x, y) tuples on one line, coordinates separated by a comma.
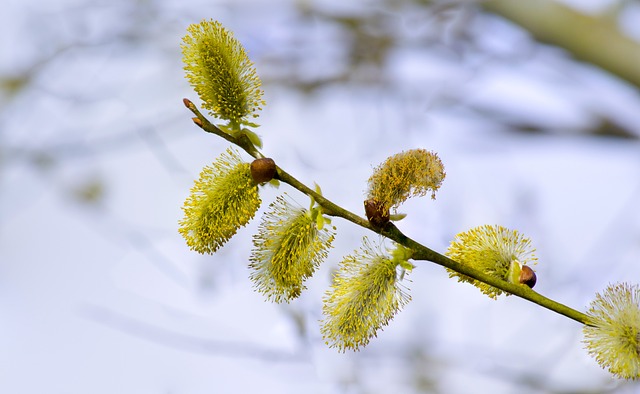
[(376, 213), (527, 276), (263, 170)]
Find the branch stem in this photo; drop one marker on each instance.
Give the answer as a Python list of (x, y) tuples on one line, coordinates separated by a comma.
[(423, 253), (201, 121), (420, 252)]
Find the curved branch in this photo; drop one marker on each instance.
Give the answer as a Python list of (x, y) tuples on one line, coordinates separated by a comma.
[(420, 252)]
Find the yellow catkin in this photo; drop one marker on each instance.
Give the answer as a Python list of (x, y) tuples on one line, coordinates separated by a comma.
[(220, 71), (413, 173), (224, 199), (288, 248), (490, 249), (365, 295), (613, 334)]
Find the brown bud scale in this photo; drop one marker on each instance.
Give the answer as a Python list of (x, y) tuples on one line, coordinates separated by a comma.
[(263, 170), (376, 213), (527, 276)]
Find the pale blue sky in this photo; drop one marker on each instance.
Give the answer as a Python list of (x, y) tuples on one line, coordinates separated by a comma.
[(105, 297)]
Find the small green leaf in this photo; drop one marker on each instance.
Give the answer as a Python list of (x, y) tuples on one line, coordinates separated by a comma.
[(320, 221), (513, 275), (231, 128), (224, 128), (396, 217), (250, 124), (406, 265), (401, 254), (253, 137), (312, 203)]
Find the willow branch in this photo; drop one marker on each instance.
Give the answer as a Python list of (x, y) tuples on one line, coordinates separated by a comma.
[(201, 121), (330, 208), (420, 252), (423, 253)]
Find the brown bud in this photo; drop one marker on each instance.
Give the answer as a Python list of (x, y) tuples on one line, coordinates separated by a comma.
[(187, 103), (263, 170), (527, 276), (197, 121), (376, 213)]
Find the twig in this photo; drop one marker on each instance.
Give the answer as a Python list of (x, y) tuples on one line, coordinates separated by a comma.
[(420, 252)]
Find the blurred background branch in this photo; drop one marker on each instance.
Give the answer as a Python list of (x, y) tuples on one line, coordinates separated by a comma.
[(596, 39)]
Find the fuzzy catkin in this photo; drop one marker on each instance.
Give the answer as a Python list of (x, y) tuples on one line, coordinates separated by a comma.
[(219, 70), (222, 200), (288, 248)]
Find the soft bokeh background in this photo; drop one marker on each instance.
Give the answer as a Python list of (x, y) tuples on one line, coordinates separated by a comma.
[(99, 293)]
